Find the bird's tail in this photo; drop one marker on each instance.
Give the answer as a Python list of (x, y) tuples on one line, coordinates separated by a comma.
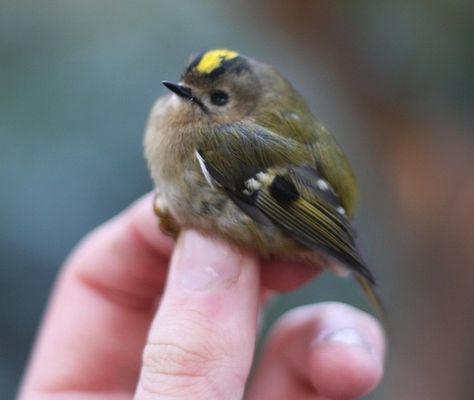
[(374, 299)]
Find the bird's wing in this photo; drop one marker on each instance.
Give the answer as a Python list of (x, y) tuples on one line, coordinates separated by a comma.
[(238, 151), (270, 181), (326, 154), (299, 201)]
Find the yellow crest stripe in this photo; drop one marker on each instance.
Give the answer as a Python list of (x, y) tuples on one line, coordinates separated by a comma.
[(214, 59)]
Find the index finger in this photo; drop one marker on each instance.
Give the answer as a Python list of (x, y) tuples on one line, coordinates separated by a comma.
[(95, 326)]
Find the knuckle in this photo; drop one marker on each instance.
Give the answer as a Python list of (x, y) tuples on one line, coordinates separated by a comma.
[(200, 364), (173, 370), (171, 359), (188, 371)]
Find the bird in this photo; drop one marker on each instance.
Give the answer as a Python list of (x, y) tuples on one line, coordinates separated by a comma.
[(236, 153)]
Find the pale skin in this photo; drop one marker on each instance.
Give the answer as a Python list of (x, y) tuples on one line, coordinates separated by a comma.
[(134, 315)]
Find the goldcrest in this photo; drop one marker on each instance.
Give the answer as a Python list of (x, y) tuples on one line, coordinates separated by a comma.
[(236, 153)]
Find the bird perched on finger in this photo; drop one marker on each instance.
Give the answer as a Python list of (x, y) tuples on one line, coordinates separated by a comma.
[(235, 152)]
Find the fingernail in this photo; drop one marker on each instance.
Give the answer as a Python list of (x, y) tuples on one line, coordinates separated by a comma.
[(347, 336), (203, 264)]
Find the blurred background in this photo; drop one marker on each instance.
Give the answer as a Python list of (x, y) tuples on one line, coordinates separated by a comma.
[(393, 81)]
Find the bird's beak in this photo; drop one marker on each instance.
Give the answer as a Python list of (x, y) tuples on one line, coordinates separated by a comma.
[(186, 93), (180, 90)]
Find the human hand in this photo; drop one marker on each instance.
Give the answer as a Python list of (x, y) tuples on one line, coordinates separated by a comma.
[(116, 328)]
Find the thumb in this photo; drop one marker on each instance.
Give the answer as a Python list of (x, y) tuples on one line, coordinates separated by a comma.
[(201, 342)]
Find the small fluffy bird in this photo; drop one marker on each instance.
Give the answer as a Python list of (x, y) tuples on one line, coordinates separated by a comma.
[(236, 153)]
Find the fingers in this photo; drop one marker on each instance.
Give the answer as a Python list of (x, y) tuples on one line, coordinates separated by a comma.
[(201, 342), (202, 339), (99, 314), (326, 351)]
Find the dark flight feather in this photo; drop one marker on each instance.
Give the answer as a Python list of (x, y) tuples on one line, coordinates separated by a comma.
[(301, 202)]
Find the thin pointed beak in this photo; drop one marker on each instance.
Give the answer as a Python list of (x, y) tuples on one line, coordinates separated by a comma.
[(180, 90), (185, 92)]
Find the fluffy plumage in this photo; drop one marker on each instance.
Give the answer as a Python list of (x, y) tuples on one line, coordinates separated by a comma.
[(236, 153)]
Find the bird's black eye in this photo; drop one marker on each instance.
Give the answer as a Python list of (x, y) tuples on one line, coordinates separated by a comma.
[(219, 98)]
